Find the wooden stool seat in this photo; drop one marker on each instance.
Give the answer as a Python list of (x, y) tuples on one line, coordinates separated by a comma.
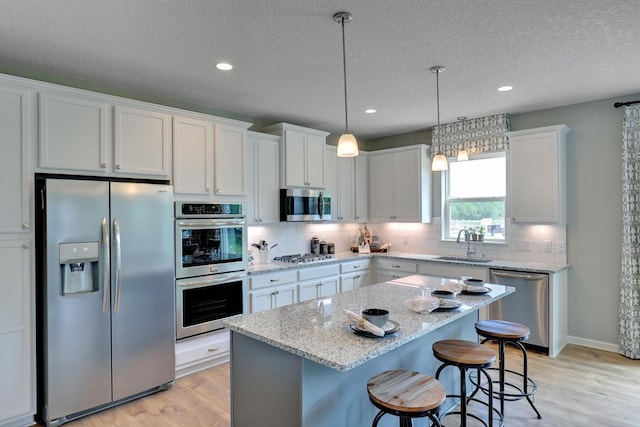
[(407, 394), (460, 352), (502, 329)]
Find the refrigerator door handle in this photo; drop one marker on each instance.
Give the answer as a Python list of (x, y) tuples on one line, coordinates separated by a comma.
[(116, 239), (107, 267)]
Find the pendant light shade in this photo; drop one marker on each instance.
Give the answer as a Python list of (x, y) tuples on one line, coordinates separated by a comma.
[(463, 155), (347, 144), (439, 162)]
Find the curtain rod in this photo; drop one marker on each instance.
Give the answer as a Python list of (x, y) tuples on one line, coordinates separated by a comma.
[(622, 104)]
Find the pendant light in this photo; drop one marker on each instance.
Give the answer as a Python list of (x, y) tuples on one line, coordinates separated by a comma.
[(347, 144), (439, 162), (463, 155)]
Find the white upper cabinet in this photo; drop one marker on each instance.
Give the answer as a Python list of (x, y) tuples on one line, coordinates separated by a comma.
[(141, 142), (80, 133), (209, 158), (361, 186), (400, 184), (230, 161), (74, 133), (263, 174), (192, 156), (537, 175), (302, 155), (340, 183), (15, 121)]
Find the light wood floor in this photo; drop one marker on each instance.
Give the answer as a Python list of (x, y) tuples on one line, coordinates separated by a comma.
[(581, 387)]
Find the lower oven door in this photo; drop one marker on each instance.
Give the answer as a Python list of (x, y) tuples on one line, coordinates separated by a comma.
[(203, 302)]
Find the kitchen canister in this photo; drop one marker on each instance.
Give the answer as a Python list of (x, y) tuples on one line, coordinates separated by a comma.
[(324, 248), (315, 246), (331, 248)]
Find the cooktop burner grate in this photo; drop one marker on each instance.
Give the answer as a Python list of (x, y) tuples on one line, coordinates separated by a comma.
[(301, 258)]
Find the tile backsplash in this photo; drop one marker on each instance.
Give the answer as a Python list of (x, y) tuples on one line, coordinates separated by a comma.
[(534, 243)]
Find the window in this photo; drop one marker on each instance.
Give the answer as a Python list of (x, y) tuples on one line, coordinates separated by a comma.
[(474, 196)]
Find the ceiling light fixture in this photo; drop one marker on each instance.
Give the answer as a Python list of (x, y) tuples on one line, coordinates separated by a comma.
[(370, 110), (347, 144), (224, 66), (505, 88), (439, 162)]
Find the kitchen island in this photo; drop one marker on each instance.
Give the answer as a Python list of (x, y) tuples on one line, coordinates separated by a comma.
[(301, 366)]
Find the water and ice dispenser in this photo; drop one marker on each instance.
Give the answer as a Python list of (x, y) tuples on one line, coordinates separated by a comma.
[(79, 267)]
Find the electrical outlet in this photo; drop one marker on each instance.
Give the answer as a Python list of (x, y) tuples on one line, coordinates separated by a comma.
[(548, 246), (405, 239), (562, 247), (523, 245)]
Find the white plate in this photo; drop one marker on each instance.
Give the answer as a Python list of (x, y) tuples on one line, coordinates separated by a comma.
[(389, 328), (476, 290), (449, 304)]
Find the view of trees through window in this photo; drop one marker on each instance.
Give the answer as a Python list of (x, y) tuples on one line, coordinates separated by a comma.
[(475, 197)]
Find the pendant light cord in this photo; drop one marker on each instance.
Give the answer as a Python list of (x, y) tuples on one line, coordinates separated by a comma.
[(344, 69), (438, 103)]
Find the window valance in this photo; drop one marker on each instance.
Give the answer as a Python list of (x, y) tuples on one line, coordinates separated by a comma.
[(481, 135)]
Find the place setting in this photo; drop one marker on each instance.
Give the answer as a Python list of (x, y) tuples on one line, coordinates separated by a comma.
[(372, 323)]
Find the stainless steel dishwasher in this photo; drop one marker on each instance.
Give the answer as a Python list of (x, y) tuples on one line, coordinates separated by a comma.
[(528, 305)]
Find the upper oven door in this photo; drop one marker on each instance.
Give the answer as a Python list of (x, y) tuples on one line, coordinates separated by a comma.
[(210, 246)]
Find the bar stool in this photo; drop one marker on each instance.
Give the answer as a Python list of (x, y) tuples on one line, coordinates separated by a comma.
[(467, 355), (504, 332), (407, 394)]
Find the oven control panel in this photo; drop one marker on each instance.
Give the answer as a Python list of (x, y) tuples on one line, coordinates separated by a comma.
[(191, 210)]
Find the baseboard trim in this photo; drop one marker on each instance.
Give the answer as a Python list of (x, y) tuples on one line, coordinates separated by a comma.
[(600, 345)]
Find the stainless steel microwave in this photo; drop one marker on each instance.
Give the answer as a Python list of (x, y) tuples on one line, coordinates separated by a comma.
[(303, 204)]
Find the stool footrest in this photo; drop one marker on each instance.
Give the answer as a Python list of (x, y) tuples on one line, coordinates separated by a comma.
[(519, 394)]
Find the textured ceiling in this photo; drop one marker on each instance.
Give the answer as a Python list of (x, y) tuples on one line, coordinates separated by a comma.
[(288, 55)]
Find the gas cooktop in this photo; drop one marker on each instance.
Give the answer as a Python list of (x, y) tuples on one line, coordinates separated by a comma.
[(301, 258)]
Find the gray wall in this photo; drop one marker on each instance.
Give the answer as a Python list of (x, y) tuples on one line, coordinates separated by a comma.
[(594, 163)]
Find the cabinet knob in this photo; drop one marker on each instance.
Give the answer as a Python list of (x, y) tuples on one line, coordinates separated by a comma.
[(218, 190), (103, 165), (25, 226), (25, 246)]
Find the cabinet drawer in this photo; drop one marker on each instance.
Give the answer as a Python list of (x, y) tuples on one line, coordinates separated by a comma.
[(348, 267), (405, 266), (272, 279), (200, 348), (317, 272)]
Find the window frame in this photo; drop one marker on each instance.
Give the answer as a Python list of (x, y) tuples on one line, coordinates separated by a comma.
[(446, 200)]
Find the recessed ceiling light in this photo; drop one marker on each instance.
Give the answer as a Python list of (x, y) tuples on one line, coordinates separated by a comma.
[(224, 66), (370, 110), (505, 88)]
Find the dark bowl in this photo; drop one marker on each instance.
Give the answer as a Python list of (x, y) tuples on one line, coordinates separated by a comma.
[(377, 316)]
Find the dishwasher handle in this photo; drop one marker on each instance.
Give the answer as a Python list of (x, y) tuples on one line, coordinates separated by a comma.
[(513, 275)]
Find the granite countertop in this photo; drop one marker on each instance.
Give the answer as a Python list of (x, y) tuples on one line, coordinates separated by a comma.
[(534, 267), (315, 330)]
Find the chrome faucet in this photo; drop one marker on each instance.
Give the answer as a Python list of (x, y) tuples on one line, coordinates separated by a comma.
[(468, 240)]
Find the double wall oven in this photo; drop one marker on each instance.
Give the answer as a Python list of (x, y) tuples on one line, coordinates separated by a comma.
[(211, 264)]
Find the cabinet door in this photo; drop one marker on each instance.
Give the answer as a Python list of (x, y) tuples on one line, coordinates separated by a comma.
[(314, 159), (261, 301), (267, 184), (73, 134), (15, 330), (331, 180), (192, 156), (285, 296), (406, 182), (308, 290), (142, 142), (294, 159), (363, 279), (381, 184), (15, 120), (230, 162), (348, 282), (361, 188), (535, 180), (346, 185)]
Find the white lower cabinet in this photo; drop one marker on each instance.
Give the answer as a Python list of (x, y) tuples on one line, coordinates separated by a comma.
[(452, 271), (389, 269), (316, 282), (354, 274), (17, 370), (271, 290), (201, 352)]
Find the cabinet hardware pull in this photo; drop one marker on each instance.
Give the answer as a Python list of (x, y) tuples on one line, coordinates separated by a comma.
[(218, 190), (395, 266), (274, 280), (117, 166), (208, 189), (213, 350), (103, 165), (25, 226), (25, 246), (356, 266)]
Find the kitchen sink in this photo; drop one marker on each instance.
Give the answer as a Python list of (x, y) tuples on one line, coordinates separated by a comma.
[(463, 258)]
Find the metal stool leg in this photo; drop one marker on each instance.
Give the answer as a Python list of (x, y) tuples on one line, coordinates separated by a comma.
[(525, 377)]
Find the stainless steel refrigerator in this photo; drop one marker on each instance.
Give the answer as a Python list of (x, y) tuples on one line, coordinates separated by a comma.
[(105, 294)]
